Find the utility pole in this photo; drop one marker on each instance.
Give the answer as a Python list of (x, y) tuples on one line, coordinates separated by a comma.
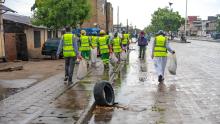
[(127, 25), (2, 44), (118, 19), (186, 18)]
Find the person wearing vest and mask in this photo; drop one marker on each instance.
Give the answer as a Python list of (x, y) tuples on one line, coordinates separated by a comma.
[(70, 53), (125, 40), (116, 45), (84, 45), (159, 54), (103, 44)]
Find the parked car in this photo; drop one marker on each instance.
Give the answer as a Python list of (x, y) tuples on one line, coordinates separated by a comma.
[(216, 36), (50, 48)]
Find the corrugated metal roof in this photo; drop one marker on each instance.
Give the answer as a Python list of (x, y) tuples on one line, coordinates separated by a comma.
[(20, 19), (6, 9)]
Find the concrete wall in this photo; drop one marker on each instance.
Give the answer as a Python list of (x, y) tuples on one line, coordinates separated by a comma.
[(35, 52)]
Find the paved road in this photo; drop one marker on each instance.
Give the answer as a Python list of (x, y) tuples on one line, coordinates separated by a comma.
[(190, 97), (51, 101)]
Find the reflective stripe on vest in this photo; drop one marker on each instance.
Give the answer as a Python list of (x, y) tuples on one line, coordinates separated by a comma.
[(103, 45), (160, 49), (68, 49), (84, 46), (116, 45), (94, 41)]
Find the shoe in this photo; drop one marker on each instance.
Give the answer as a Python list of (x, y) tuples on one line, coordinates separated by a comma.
[(160, 78), (65, 78), (69, 83)]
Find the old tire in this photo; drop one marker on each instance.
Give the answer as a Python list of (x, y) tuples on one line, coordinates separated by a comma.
[(104, 93)]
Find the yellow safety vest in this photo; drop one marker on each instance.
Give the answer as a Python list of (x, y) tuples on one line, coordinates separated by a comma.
[(103, 45), (116, 45), (68, 49), (94, 41), (160, 49), (107, 36), (84, 46), (126, 38)]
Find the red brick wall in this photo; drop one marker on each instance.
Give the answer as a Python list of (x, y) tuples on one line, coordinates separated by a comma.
[(98, 15), (10, 47), (110, 17)]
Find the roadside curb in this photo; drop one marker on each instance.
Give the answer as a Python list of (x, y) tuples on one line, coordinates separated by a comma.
[(88, 111)]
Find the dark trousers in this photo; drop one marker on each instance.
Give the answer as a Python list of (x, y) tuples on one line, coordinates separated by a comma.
[(142, 50), (69, 67)]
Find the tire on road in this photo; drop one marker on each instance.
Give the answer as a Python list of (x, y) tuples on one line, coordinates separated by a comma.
[(104, 93)]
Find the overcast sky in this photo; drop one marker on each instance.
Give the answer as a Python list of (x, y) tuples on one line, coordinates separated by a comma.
[(138, 12)]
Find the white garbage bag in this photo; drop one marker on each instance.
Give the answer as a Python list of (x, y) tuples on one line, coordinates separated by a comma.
[(82, 70), (172, 64), (99, 68), (113, 58), (94, 55), (123, 56)]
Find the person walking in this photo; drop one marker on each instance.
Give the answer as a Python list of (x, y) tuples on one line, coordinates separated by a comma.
[(68, 44), (103, 44), (116, 45), (85, 46), (142, 43), (125, 40), (94, 40), (159, 54)]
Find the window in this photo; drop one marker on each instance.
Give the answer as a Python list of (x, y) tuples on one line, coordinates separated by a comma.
[(37, 43), (49, 34)]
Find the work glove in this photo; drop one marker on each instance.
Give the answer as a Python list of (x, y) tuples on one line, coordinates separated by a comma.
[(79, 57)]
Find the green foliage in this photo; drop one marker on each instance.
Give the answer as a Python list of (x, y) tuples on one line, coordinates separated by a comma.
[(165, 19), (60, 13)]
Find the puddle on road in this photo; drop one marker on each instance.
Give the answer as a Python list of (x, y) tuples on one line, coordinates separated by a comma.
[(10, 87)]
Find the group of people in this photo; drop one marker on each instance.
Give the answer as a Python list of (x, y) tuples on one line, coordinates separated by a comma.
[(160, 46), (80, 46)]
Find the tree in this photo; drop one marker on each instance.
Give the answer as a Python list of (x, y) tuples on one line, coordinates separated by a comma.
[(60, 13), (165, 19)]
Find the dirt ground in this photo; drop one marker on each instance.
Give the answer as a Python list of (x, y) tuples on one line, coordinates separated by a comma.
[(37, 69)]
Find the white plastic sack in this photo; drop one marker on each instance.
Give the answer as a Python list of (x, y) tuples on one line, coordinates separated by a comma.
[(82, 70), (94, 55), (172, 64), (123, 56), (113, 58)]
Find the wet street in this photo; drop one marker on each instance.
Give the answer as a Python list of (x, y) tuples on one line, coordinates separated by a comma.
[(190, 97)]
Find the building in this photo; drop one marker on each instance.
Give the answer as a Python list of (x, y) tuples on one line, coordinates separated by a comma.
[(101, 16), (22, 39), (198, 27), (3, 9), (109, 17)]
